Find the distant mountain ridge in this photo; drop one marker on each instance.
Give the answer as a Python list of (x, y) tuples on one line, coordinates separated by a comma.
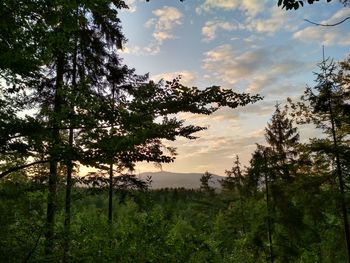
[(164, 179)]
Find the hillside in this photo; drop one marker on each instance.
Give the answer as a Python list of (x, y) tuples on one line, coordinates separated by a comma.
[(176, 180)]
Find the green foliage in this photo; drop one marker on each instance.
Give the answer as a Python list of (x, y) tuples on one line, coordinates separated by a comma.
[(295, 4), (58, 57), (174, 225), (205, 183)]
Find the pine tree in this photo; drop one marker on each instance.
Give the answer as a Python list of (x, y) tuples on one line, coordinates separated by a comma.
[(272, 169), (234, 179), (283, 138), (234, 183), (205, 180), (326, 105)]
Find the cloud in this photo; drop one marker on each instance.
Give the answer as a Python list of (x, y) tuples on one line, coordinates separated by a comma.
[(250, 7), (187, 77), (166, 19), (277, 20), (210, 149), (337, 16), (132, 5), (260, 109), (288, 67), (210, 28), (212, 152), (225, 137), (160, 36), (208, 5), (326, 35), (163, 24), (231, 116), (271, 21), (150, 22), (224, 117), (260, 82), (227, 64), (151, 49), (255, 70)]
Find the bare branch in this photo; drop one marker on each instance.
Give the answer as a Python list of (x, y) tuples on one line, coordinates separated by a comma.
[(17, 168), (318, 24)]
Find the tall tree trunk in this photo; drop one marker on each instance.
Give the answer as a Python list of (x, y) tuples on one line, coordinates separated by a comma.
[(110, 195), (69, 182), (67, 215), (51, 210), (269, 232), (111, 186), (240, 193), (53, 176), (242, 213), (341, 183), (110, 192)]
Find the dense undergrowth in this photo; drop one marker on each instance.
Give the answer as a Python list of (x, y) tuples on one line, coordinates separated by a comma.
[(172, 225)]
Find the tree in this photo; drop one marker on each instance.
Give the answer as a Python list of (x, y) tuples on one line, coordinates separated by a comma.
[(74, 45), (77, 119), (234, 179), (205, 180), (261, 174), (326, 105), (235, 182), (295, 4), (272, 171), (283, 138), (20, 38)]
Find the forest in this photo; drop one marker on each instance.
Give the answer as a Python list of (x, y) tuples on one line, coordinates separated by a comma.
[(67, 101)]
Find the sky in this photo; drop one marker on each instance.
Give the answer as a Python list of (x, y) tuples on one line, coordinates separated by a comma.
[(245, 45)]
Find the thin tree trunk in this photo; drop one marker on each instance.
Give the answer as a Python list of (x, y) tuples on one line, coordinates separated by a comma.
[(240, 195), (269, 234), (53, 176), (110, 195), (69, 182), (27, 258), (67, 215), (242, 213), (51, 210), (110, 192), (341, 184)]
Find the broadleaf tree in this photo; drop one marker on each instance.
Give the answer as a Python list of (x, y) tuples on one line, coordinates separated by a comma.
[(76, 119)]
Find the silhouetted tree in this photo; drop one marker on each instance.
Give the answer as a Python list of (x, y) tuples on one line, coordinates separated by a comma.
[(283, 138), (205, 180), (295, 4), (234, 182), (326, 105), (272, 170), (76, 121)]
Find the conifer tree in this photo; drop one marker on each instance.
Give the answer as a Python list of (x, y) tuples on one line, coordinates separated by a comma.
[(205, 180), (234, 179), (260, 174), (272, 169), (235, 182), (282, 137), (326, 105)]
